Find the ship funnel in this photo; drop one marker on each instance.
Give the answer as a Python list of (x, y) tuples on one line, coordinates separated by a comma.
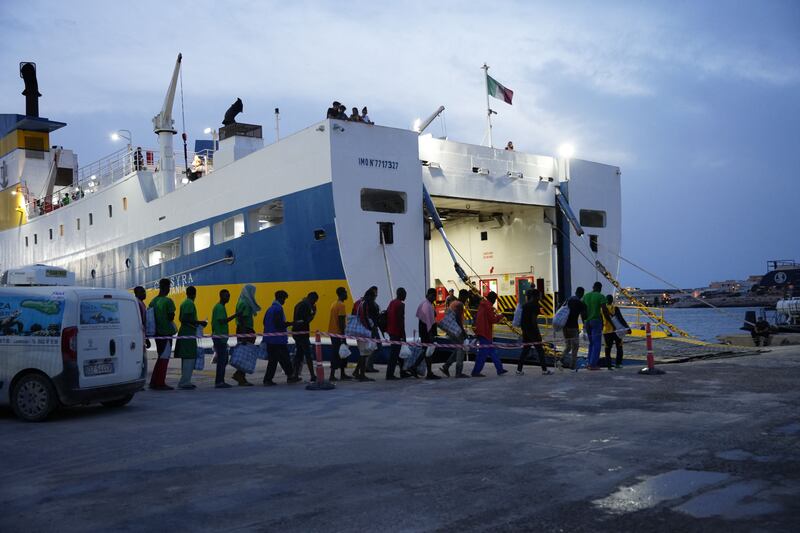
[(27, 71)]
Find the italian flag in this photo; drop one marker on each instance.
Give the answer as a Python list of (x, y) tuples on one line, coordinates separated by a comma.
[(498, 91)]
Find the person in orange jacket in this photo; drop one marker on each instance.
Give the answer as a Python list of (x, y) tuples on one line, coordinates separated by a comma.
[(483, 326)]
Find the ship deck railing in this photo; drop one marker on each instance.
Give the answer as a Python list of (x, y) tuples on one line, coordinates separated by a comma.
[(111, 169)]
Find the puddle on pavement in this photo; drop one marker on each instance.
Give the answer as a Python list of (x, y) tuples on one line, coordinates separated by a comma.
[(789, 429), (728, 503), (742, 455), (657, 489)]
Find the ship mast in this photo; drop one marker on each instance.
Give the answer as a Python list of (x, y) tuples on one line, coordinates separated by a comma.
[(163, 126)]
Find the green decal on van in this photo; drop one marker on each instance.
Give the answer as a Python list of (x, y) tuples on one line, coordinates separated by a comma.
[(99, 312), (24, 320)]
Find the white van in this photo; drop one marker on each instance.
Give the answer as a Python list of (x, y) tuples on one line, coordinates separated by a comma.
[(66, 345)]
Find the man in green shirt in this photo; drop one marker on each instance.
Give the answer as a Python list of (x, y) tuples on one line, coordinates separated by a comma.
[(164, 312), (186, 348), (219, 332), (594, 323)]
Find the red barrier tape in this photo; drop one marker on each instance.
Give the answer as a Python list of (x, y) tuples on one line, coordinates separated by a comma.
[(501, 346)]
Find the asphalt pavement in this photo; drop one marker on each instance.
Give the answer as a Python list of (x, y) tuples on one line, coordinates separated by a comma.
[(710, 446)]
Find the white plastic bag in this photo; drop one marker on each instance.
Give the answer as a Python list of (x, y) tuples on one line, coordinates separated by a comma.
[(560, 318), (200, 361), (517, 322), (150, 322), (344, 351), (405, 352)]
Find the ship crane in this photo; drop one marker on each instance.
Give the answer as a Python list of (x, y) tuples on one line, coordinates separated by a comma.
[(164, 127)]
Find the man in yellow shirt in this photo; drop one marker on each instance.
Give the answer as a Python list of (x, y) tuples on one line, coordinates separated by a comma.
[(337, 325)]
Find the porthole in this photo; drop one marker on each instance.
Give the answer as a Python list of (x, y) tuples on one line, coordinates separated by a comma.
[(128, 263), (319, 234)]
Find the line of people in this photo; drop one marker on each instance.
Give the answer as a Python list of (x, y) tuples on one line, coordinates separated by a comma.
[(602, 321), (339, 112), (599, 315)]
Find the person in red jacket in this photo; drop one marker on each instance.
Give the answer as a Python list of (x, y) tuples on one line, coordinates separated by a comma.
[(483, 326), (396, 328)]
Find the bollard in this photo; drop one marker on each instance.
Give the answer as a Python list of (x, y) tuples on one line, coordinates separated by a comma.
[(320, 384), (651, 369)]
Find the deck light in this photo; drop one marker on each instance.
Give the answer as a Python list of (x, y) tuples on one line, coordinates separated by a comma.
[(207, 131), (417, 124), (514, 175), (566, 150)]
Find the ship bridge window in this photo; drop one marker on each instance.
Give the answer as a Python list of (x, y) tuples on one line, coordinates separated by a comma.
[(229, 229), (265, 216), (593, 219), (163, 252), (199, 239), (383, 201)]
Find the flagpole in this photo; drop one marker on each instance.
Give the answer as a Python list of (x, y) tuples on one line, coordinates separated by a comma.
[(485, 68)]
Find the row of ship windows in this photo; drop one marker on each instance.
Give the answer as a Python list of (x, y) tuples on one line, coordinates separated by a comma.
[(265, 216), (77, 224)]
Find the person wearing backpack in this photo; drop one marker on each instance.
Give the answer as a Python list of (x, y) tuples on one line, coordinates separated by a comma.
[(396, 328), (427, 331)]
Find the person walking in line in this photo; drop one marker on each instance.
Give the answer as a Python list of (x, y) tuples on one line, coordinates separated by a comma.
[(611, 334), (484, 330), (164, 312), (594, 323), (374, 311), (336, 325), (186, 349), (219, 333), (246, 310), (451, 297), (277, 345), (361, 310), (457, 307), (427, 331), (304, 313), (141, 296), (530, 331), (577, 309), (396, 328)]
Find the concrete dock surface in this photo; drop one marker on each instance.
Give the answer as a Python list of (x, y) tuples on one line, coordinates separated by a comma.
[(712, 445)]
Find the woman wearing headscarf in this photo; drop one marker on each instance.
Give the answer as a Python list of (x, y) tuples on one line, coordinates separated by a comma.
[(246, 309)]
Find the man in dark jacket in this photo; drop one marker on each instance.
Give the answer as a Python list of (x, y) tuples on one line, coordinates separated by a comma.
[(396, 328), (277, 345), (304, 313), (530, 331), (577, 309)]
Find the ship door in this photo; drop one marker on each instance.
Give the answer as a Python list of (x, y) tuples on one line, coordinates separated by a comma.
[(488, 285), (523, 283)]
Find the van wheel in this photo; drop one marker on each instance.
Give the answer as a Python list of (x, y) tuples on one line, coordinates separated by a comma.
[(119, 402), (33, 398)]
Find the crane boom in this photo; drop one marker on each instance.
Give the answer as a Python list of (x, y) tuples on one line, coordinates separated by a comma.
[(163, 126)]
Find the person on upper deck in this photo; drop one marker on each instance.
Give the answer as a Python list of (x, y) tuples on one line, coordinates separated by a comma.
[(333, 111), (365, 116), (510, 146), (355, 117)]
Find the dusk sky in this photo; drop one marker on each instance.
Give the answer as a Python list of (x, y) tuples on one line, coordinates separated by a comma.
[(697, 102)]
